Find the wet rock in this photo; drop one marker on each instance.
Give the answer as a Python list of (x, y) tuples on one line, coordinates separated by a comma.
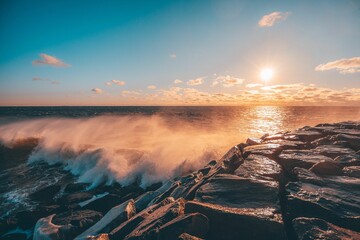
[(103, 236), (307, 136), (327, 168), (75, 198), (127, 227), (315, 228), (348, 160), (253, 141), (238, 192), (195, 224), (333, 151), (113, 218), (290, 159), (149, 227), (239, 223), (287, 144), (352, 171), (269, 150), (45, 229), (45, 194), (186, 236), (258, 166), (104, 203), (352, 141), (143, 201), (75, 187), (14, 236), (354, 132), (333, 198)]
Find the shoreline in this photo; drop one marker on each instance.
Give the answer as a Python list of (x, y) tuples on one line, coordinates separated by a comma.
[(294, 185)]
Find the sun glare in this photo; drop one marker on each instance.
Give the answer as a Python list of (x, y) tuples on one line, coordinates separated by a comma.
[(266, 74)]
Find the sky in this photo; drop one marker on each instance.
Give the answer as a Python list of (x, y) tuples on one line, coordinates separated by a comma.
[(179, 52)]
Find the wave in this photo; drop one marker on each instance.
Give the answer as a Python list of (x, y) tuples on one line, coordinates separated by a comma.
[(123, 149)]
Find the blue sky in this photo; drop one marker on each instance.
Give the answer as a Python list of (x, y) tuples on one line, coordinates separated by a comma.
[(220, 45)]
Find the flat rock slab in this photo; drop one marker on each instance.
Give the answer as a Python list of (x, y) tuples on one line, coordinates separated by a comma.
[(290, 159), (315, 228), (287, 144), (239, 223), (354, 132), (335, 199), (269, 150), (307, 136), (348, 160), (238, 192), (333, 151), (258, 166)]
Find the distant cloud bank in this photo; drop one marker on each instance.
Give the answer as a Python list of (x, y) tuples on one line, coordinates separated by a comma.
[(227, 81), (272, 18), (343, 66), (50, 60)]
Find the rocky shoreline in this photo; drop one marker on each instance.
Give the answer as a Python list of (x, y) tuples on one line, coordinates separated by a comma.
[(303, 184)]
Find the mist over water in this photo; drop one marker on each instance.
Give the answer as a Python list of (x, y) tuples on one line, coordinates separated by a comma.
[(149, 144)]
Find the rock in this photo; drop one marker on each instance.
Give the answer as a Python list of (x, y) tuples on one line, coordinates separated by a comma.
[(143, 201), (127, 227), (186, 236), (239, 223), (149, 227), (103, 236), (103, 203), (278, 136), (290, 159), (352, 141), (76, 221), (195, 224), (45, 194), (258, 166), (333, 198), (75, 187), (45, 229), (269, 150), (327, 168), (14, 236), (307, 136), (253, 141), (238, 192), (287, 144), (315, 228), (113, 218), (348, 160), (75, 198), (333, 151), (354, 132), (352, 171)]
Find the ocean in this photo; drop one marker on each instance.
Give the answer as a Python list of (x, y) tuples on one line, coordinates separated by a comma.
[(41, 146)]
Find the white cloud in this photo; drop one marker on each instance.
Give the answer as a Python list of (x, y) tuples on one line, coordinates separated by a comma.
[(97, 90), (118, 82), (151, 87), (227, 81), (197, 81), (343, 66), (108, 83), (50, 60), (173, 55), (178, 81), (126, 92), (253, 85), (272, 18)]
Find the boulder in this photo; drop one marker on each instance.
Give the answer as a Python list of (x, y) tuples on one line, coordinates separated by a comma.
[(307, 135), (239, 223), (333, 198), (352, 171), (253, 141), (258, 166), (102, 203), (45, 194), (113, 218), (186, 236), (75, 198), (333, 151), (352, 141), (149, 227), (195, 224), (315, 228), (269, 150), (327, 168), (75, 187), (46, 230), (287, 144), (348, 160), (290, 159)]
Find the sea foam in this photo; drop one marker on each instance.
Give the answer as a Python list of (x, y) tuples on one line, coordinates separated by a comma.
[(123, 149)]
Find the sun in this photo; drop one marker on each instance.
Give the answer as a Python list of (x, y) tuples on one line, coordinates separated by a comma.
[(266, 74)]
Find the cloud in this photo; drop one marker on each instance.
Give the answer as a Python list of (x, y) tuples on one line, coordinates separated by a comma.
[(38, 79), (227, 81), (118, 82), (173, 55), (178, 81), (126, 92), (55, 82), (253, 85), (343, 66), (194, 82), (272, 18), (97, 90), (151, 87), (49, 60), (108, 83)]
